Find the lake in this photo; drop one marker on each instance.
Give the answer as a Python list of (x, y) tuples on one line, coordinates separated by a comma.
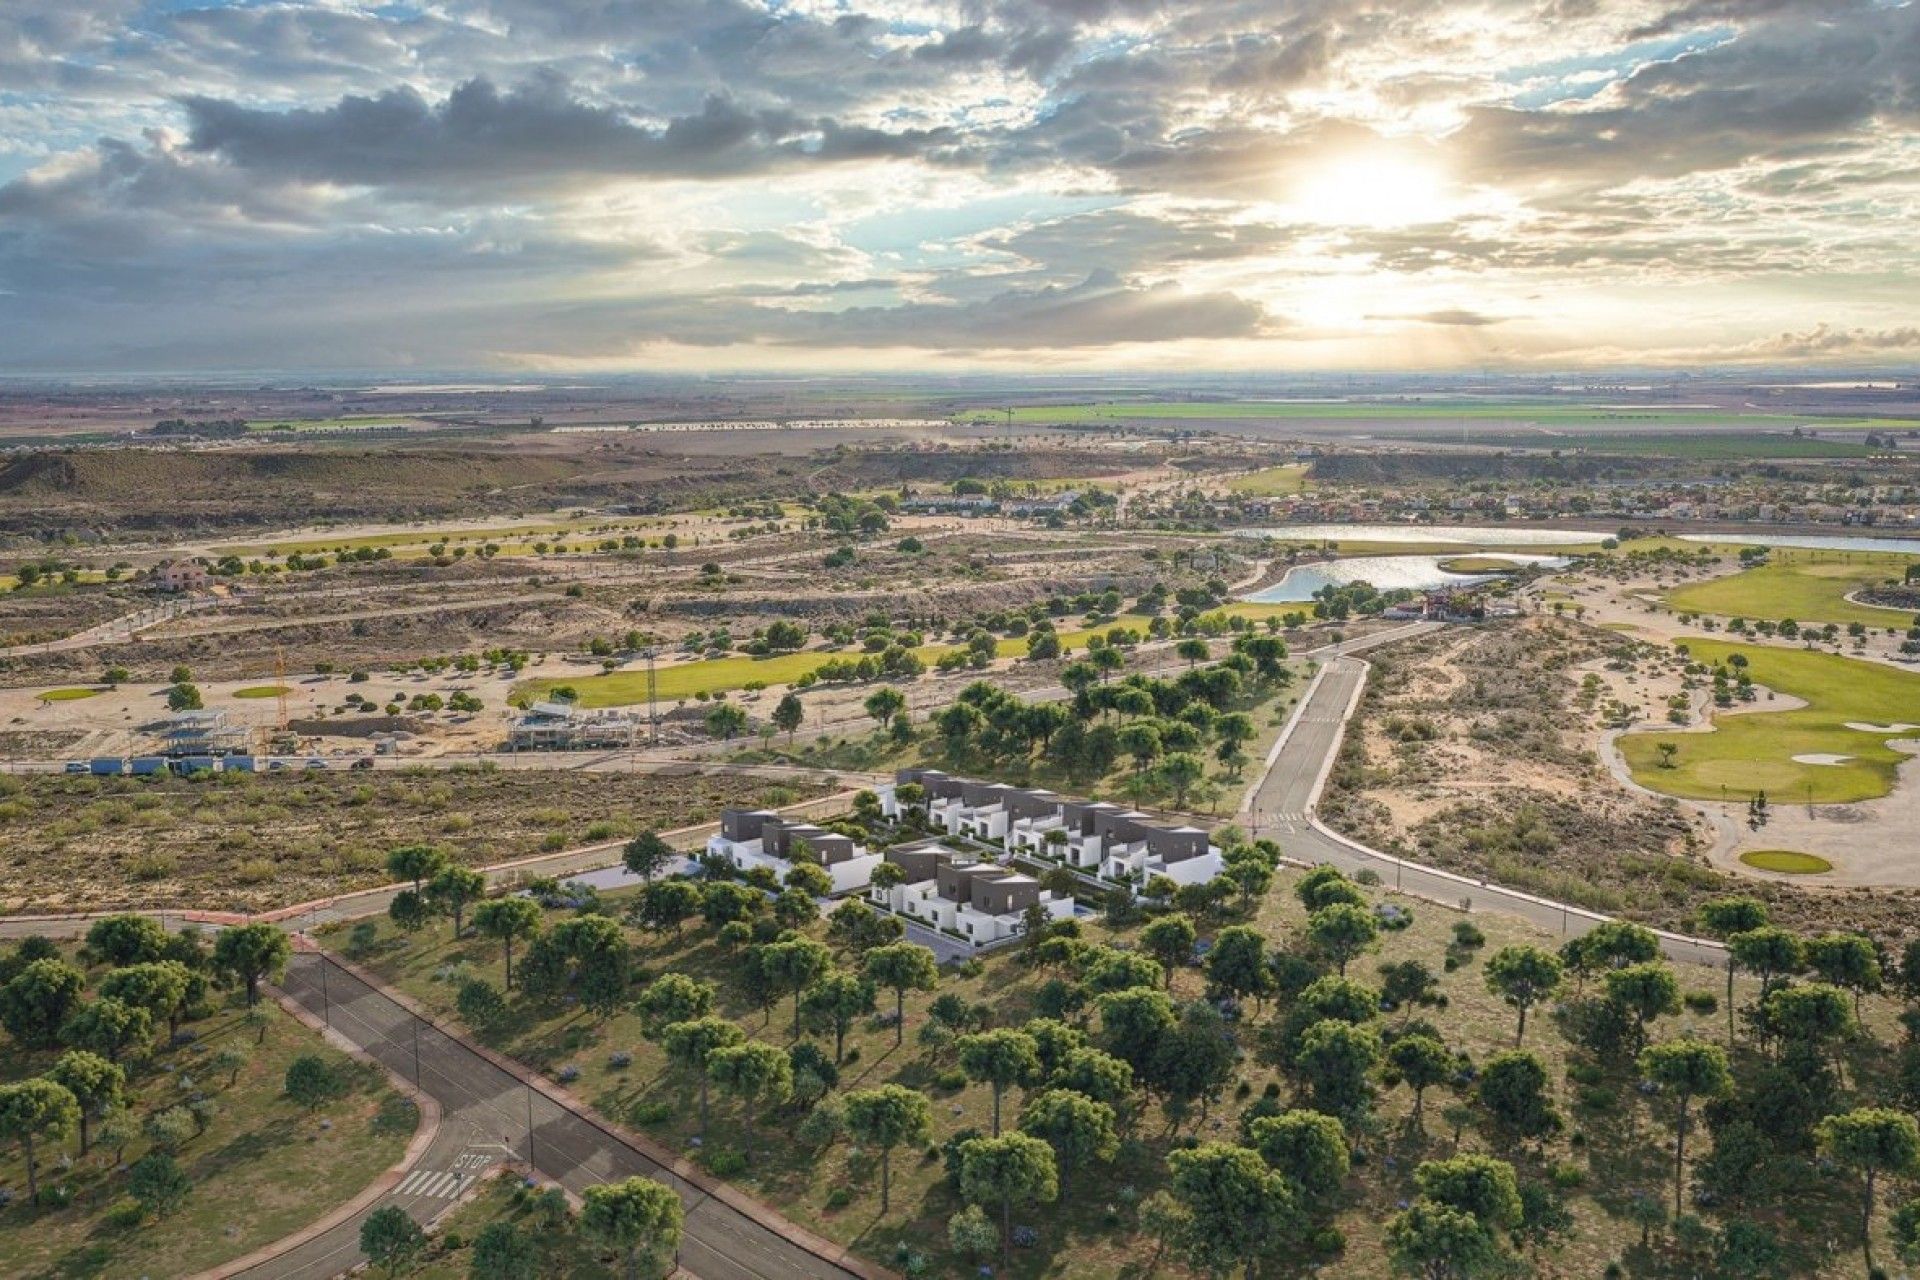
[(1416, 534), (1812, 541), (1387, 573)]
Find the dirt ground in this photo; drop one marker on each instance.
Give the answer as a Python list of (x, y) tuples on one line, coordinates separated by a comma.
[(245, 842)]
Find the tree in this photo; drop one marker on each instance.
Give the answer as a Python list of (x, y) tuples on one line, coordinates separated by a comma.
[(1342, 930), (812, 880), (392, 1240), (1644, 991), (504, 1252), (1686, 1069), (1078, 1129), (789, 714), (1325, 885), (36, 1110), (232, 1059), (310, 1081), (587, 954), (158, 1184), (1474, 1184), (1768, 952), (635, 1216), (409, 910), (452, 889), (884, 703), (1513, 1089), (754, 1072), (1181, 771), (1438, 1242), (1170, 941), (1847, 960), (901, 967), (835, 1001), (667, 904), (647, 855), (1871, 1141), (1195, 1060), (1237, 1210), (38, 1000), (163, 988), (793, 965), (1237, 964), (690, 1044), (726, 721), (1810, 1016), (1000, 1170), (108, 1027), (251, 952), (670, 998), (1723, 918), (1132, 1024), (1523, 976), (481, 1004), (724, 902), (888, 1117), (504, 919), (97, 1085), (1336, 1059), (999, 1058), (184, 696), (1422, 1062), (416, 862), (1308, 1149), (126, 939)]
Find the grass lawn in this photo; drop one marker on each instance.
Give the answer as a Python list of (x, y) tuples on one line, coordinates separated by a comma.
[(1478, 564), (1272, 481), (1754, 750), (1093, 1233), (263, 1168), (1787, 861), (1807, 586), (262, 691), (67, 695)]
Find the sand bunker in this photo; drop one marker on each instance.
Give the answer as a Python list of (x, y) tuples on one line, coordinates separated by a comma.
[(1821, 757), (1863, 727)]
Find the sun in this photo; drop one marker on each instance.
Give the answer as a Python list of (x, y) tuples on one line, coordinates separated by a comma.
[(1381, 188)]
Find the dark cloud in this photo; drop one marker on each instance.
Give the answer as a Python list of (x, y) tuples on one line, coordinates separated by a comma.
[(480, 140)]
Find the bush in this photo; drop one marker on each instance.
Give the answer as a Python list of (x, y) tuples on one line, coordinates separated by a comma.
[(950, 1079), (839, 1198), (1701, 1001), (724, 1162), (648, 1114), (1467, 934)]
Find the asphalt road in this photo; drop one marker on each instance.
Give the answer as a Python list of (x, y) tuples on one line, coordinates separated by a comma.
[(1283, 807), (488, 1115)]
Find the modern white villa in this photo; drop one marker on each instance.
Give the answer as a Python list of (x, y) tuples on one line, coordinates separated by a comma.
[(1092, 836), (750, 838), (959, 894)]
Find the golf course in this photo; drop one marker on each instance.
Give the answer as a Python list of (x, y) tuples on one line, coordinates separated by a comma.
[(1807, 586), (1834, 750)]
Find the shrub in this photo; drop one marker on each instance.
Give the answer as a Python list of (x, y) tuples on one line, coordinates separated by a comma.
[(724, 1162)]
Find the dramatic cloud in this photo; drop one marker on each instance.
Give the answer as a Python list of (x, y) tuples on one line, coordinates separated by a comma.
[(735, 183)]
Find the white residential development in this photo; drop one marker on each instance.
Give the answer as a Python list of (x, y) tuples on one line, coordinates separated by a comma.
[(1102, 839), (750, 838), (961, 895)]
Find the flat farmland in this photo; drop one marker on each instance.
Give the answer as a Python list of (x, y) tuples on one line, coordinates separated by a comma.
[(246, 842)]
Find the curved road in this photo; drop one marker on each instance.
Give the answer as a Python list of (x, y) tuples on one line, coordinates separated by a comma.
[(1282, 806)]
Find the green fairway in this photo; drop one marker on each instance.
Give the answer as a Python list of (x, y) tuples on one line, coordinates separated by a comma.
[(262, 691), (1478, 564), (67, 695), (1789, 862), (1754, 750), (1271, 482), (1807, 586)]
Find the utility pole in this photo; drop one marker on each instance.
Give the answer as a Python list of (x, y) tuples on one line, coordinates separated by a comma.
[(326, 1003)]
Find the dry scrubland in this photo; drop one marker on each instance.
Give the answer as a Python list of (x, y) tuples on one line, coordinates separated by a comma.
[(245, 842), (1477, 750)]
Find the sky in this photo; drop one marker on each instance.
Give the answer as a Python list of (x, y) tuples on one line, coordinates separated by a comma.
[(583, 186)]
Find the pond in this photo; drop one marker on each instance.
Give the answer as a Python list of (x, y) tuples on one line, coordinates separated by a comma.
[(1812, 541), (1417, 534), (1386, 573)]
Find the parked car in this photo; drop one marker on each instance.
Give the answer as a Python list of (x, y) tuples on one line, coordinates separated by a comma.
[(364, 762), (76, 766), (316, 762)]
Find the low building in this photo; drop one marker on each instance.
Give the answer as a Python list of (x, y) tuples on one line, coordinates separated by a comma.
[(750, 838), (182, 575), (967, 504), (205, 734), (557, 724), (1090, 836), (965, 897)]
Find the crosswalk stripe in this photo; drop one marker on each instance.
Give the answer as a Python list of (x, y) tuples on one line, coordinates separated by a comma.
[(412, 1180)]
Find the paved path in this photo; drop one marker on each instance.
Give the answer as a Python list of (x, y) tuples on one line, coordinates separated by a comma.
[(1282, 805), (490, 1112)]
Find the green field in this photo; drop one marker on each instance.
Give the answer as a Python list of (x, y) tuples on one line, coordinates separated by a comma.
[(1807, 586), (67, 695), (1272, 481), (1754, 750), (262, 691), (1478, 564), (1787, 862), (502, 534)]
